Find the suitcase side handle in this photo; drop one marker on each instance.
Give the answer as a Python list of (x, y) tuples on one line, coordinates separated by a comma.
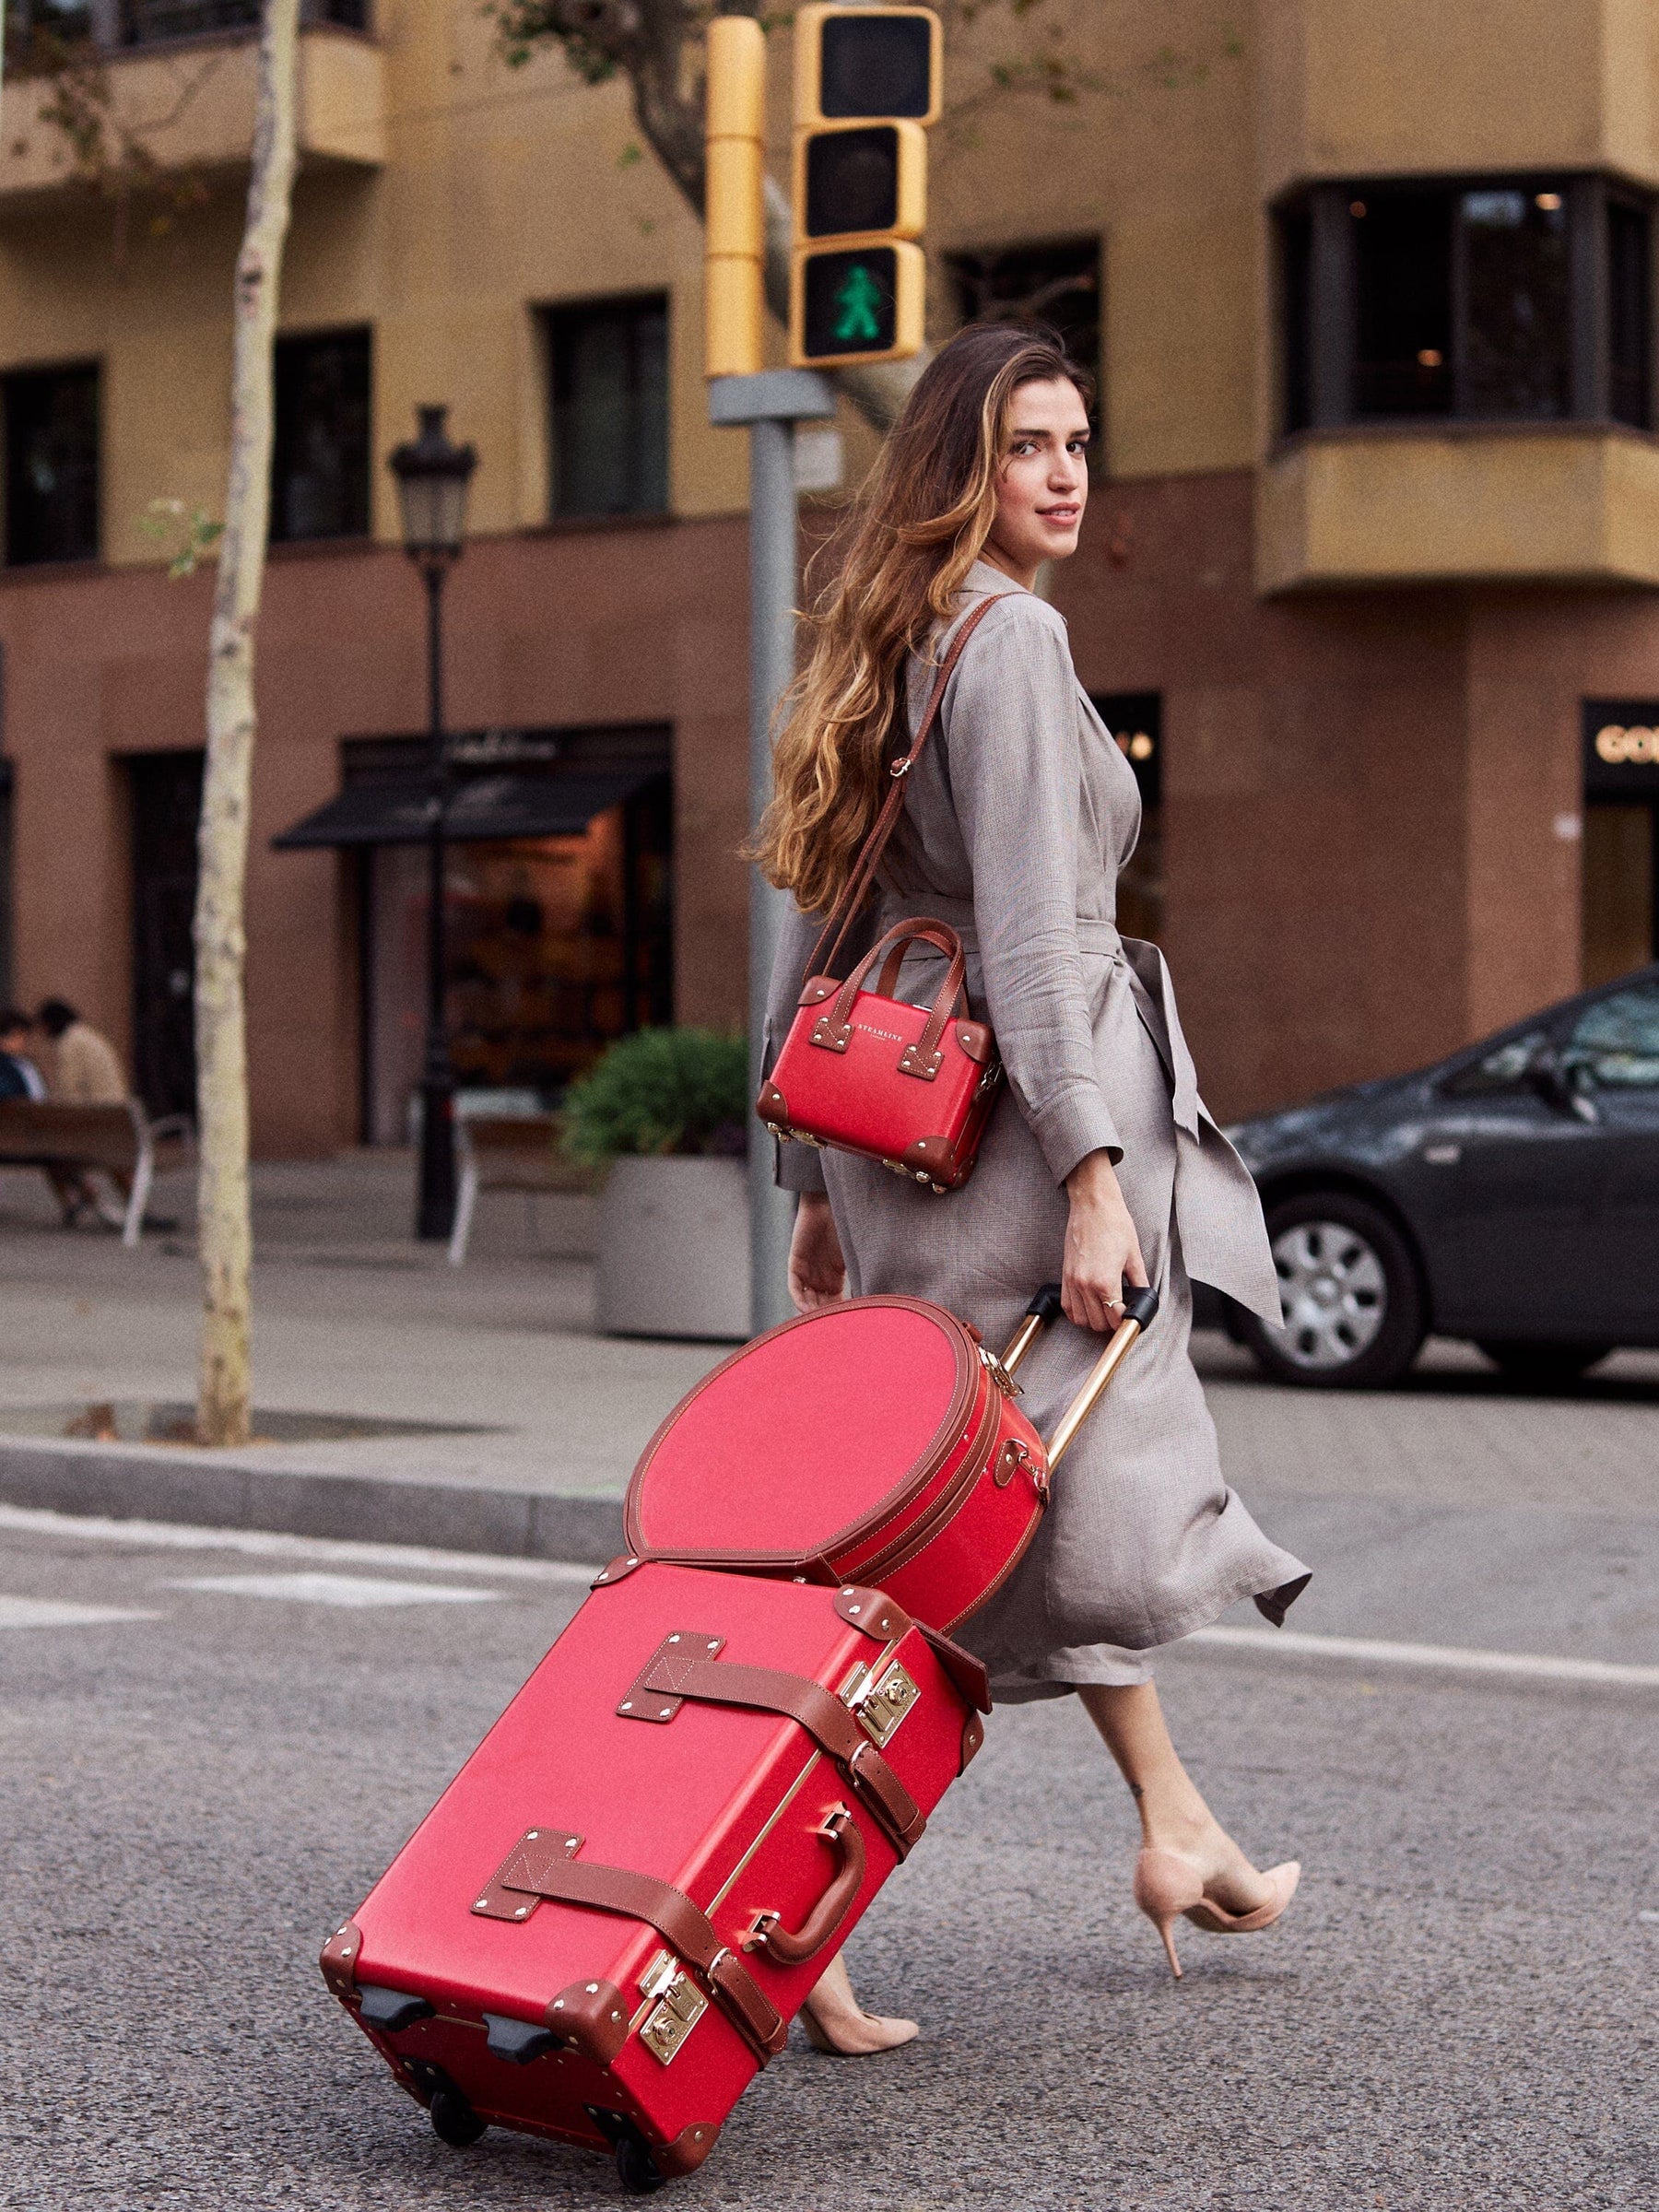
[(794, 1947), (1140, 1307)]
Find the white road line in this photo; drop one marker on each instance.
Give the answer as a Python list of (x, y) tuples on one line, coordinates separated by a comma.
[(47, 1613), (1449, 1658), (259, 1544), (353, 1590)]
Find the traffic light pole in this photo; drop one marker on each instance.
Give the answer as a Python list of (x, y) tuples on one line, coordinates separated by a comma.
[(770, 405)]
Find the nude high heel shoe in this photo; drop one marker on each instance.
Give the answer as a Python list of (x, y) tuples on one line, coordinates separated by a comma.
[(1167, 1884)]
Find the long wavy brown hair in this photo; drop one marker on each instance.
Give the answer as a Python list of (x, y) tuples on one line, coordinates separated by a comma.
[(895, 566)]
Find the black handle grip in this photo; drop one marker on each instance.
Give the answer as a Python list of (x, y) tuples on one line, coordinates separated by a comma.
[(1140, 1303)]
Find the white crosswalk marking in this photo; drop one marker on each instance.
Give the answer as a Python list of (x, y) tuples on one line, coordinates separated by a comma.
[(48, 1613), (1449, 1658), (351, 1590)]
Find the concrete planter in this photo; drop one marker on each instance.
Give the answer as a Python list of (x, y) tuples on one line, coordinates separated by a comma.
[(673, 1257)]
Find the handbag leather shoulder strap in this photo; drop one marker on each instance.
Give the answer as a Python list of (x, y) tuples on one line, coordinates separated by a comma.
[(857, 885)]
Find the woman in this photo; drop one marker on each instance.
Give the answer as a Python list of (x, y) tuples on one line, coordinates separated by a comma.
[(1101, 1166)]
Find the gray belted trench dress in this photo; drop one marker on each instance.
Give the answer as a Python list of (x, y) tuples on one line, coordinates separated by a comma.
[(1018, 819)]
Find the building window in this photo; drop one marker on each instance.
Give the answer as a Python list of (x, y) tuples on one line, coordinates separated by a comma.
[(52, 464), (1058, 284), (320, 461), (609, 378), (1519, 300), (1630, 263), (7, 982), (143, 22)]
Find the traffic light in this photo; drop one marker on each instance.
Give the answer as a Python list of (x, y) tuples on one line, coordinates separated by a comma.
[(734, 236), (868, 84)]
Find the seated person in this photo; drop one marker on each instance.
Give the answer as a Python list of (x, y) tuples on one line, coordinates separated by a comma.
[(85, 1072), (19, 1077)]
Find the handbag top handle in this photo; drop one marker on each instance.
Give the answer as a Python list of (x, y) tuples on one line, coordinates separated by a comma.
[(869, 859)]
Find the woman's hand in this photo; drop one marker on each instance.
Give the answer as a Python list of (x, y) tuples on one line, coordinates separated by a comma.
[(1102, 1250), (817, 1273)]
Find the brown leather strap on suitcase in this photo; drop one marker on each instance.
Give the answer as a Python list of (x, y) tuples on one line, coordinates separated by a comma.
[(825, 1719), (569, 1881)]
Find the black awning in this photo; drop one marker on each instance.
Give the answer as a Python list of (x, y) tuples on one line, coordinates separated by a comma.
[(398, 811)]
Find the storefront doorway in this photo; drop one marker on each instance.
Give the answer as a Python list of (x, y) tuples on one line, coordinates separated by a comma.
[(558, 884), (166, 799), (1621, 837)]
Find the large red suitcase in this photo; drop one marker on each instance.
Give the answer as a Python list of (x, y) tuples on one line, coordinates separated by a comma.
[(601, 1929), (876, 1440)]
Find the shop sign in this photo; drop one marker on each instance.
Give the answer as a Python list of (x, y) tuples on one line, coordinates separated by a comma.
[(1621, 748)]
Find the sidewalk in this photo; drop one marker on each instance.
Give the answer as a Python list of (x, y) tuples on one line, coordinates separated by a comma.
[(515, 1427)]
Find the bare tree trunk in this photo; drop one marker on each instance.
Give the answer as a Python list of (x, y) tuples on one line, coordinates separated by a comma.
[(225, 1394)]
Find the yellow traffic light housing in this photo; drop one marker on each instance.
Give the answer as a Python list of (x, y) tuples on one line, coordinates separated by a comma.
[(735, 232), (867, 83), (855, 62)]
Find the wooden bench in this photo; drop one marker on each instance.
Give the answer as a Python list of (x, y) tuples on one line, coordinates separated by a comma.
[(509, 1152), (122, 1140)]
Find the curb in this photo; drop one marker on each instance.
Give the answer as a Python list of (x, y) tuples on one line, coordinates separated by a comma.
[(222, 1490)]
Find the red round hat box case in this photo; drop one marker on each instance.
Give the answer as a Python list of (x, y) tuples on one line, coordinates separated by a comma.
[(876, 1440)]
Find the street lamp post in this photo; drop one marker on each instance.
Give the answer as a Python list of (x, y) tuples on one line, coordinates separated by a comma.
[(432, 476)]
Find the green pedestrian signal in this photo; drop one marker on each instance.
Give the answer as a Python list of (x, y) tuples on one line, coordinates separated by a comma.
[(848, 302), (859, 302)]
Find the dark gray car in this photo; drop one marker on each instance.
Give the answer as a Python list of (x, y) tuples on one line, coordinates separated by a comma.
[(1509, 1196)]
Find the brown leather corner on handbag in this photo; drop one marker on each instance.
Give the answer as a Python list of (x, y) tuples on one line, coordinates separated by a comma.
[(862, 1071)]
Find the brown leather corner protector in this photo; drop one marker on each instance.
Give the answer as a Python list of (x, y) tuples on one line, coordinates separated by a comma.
[(873, 1612), (339, 1958), (936, 1154), (618, 1570), (591, 2017), (976, 1041), (815, 989), (771, 1105), (642, 1704), (973, 1736), (513, 1893), (688, 2150)]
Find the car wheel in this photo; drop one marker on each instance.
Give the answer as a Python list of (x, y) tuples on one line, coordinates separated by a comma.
[(1540, 1366), (1353, 1305)]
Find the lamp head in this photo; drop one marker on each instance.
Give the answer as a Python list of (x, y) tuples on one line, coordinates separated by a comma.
[(432, 478)]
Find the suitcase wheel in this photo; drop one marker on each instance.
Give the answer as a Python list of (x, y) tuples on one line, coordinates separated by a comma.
[(453, 2120), (637, 2169)]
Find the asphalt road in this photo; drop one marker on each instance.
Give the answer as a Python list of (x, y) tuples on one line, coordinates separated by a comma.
[(1458, 2013)]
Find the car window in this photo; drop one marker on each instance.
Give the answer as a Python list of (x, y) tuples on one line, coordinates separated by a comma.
[(1614, 1044), (1503, 1068)]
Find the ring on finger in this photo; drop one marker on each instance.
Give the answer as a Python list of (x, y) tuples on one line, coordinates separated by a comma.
[(1115, 1305)]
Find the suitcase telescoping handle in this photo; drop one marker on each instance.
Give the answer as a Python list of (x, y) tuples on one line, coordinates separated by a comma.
[(1141, 1304)]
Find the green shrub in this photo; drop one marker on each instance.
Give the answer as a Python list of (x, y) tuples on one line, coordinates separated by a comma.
[(660, 1091)]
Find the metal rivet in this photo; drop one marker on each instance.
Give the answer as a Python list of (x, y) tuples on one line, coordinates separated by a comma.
[(593, 1989), (847, 1592), (627, 1705), (668, 1713), (713, 1643), (521, 1913), (616, 2016), (855, 1608), (632, 1561), (674, 1639), (558, 2004), (482, 1902), (535, 1832)]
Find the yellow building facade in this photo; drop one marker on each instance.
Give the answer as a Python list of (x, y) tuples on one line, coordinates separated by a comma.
[(1370, 558)]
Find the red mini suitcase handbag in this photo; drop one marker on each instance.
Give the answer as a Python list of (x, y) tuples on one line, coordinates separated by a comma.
[(876, 1440), (603, 1928), (862, 1071)]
